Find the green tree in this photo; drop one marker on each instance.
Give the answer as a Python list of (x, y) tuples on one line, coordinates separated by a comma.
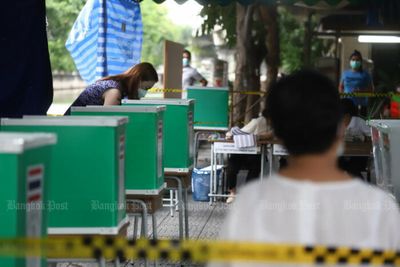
[(291, 35), (61, 15), (157, 27)]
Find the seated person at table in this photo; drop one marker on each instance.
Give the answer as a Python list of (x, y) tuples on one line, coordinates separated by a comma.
[(311, 201), (357, 130), (252, 163)]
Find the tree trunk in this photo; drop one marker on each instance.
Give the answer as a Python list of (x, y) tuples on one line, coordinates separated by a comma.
[(269, 15), (246, 74)]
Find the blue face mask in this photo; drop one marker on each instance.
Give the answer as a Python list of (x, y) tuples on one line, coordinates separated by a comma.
[(354, 64), (142, 93), (185, 61)]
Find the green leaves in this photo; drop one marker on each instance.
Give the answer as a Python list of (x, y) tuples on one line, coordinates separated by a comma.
[(61, 14), (157, 27)]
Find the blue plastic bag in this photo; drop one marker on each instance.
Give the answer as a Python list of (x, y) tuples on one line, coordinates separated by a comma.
[(201, 183)]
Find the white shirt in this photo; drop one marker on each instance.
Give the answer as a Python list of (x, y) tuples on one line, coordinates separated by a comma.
[(189, 77), (357, 128), (255, 126), (283, 210)]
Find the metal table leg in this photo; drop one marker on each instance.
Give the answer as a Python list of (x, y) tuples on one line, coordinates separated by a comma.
[(180, 203)]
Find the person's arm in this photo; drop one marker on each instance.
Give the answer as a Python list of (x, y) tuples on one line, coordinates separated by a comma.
[(112, 97), (198, 77), (341, 87), (204, 82), (250, 127), (228, 135), (341, 83)]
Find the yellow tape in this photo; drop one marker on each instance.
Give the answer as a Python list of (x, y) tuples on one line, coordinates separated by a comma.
[(190, 250), (160, 90), (366, 94), (196, 123), (171, 90)]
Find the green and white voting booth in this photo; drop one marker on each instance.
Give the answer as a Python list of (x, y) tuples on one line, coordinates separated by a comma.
[(144, 144), (25, 172), (385, 135), (178, 131), (211, 111), (87, 174)]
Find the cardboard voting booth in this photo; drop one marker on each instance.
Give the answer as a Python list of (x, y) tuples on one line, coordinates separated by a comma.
[(385, 136), (25, 173), (144, 144), (87, 174), (178, 131), (211, 111)]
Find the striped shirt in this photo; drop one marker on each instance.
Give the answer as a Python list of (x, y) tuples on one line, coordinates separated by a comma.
[(106, 38)]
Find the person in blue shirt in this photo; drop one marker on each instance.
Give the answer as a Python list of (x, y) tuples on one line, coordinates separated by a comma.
[(356, 80)]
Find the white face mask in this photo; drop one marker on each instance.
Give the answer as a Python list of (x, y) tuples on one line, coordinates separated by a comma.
[(142, 92)]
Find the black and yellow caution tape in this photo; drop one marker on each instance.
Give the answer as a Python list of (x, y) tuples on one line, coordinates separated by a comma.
[(198, 251), (355, 94), (214, 123), (367, 94), (171, 90), (167, 90)]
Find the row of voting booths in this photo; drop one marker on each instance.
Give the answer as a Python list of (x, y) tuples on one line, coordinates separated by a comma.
[(72, 175)]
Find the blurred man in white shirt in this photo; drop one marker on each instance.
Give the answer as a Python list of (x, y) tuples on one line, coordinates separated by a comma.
[(311, 201)]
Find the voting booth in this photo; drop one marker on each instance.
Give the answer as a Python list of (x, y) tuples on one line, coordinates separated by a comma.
[(178, 131), (25, 172), (144, 144), (385, 136), (87, 176), (211, 111)]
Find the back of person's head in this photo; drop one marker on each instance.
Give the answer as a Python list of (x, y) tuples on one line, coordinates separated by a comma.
[(131, 78), (187, 52), (305, 112), (143, 72), (348, 107)]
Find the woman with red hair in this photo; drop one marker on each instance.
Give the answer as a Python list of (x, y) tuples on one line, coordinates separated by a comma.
[(132, 84)]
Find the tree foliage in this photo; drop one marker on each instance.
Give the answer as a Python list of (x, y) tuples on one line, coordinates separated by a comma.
[(157, 28), (292, 33), (225, 16), (61, 15)]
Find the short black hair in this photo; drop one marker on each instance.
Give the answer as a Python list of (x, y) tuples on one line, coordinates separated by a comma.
[(356, 53), (304, 110), (187, 52), (348, 107)]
